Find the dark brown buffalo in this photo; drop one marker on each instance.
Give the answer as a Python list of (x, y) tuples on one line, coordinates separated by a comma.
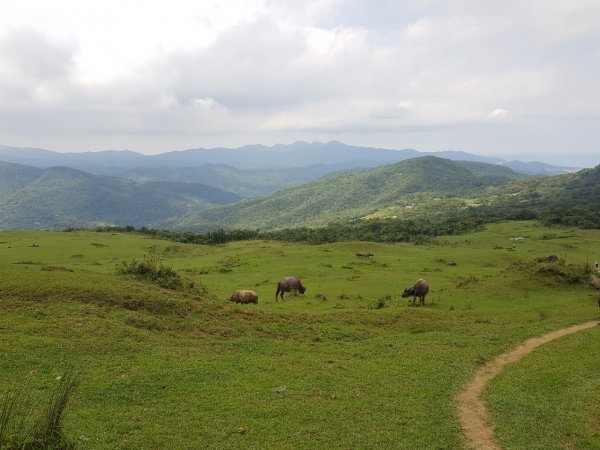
[(364, 254), (420, 289), (289, 284)]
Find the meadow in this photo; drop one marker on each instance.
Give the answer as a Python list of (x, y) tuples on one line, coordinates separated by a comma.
[(349, 364)]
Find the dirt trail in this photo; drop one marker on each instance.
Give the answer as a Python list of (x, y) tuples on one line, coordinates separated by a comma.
[(472, 412)]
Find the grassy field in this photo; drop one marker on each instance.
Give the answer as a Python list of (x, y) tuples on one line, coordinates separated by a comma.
[(349, 364)]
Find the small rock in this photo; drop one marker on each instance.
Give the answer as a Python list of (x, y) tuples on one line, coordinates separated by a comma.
[(241, 431)]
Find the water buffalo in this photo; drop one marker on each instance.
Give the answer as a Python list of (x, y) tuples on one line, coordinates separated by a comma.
[(289, 284), (244, 296), (364, 254), (420, 289)]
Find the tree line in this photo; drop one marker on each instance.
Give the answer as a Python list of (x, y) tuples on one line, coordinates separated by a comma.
[(384, 230), (377, 230)]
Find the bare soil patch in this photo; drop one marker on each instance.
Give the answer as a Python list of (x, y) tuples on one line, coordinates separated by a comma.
[(472, 413)]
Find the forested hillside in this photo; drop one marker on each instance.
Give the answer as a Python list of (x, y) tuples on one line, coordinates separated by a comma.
[(420, 189), (243, 182), (426, 182), (60, 197)]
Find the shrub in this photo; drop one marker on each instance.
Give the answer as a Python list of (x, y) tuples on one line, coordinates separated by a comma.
[(555, 270), (151, 269), (567, 273)]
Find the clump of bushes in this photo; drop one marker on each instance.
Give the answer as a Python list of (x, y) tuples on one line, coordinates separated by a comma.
[(554, 269), (150, 268), (567, 273), (19, 426)]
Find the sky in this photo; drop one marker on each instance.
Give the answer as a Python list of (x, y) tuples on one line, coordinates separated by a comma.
[(516, 79)]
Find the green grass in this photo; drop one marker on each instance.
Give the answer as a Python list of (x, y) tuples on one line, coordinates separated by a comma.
[(550, 399), (361, 369)]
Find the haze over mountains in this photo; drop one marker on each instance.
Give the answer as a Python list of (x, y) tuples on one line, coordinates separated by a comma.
[(335, 155), (302, 184)]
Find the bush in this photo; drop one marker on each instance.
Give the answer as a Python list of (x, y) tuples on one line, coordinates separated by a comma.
[(555, 270), (151, 269)]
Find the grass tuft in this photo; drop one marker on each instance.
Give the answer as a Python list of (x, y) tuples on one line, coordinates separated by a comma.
[(381, 302), (18, 427), (48, 429), (15, 409)]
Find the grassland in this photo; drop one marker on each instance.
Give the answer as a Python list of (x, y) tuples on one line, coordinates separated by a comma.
[(347, 365)]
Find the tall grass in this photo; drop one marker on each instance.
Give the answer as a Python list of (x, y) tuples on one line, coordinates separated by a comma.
[(19, 427), (15, 411), (48, 429)]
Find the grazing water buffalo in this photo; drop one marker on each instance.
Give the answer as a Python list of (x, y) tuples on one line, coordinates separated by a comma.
[(420, 289), (289, 284), (364, 254), (244, 296)]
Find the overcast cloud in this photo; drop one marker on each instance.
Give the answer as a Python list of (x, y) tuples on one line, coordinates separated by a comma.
[(516, 79)]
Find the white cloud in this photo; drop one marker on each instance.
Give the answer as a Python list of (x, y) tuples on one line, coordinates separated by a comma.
[(117, 37), (498, 114), (208, 104), (240, 71)]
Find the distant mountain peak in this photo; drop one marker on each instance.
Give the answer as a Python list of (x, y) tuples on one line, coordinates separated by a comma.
[(538, 168), (254, 156)]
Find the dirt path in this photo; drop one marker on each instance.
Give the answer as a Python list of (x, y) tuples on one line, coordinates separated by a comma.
[(472, 412)]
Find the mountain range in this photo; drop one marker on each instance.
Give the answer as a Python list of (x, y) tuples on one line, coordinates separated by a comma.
[(264, 187), (331, 156)]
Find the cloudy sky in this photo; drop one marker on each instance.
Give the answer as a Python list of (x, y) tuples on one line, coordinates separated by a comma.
[(517, 79)]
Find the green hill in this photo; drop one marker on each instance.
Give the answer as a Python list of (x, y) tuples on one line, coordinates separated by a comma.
[(60, 197), (357, 194), (572, 199)]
